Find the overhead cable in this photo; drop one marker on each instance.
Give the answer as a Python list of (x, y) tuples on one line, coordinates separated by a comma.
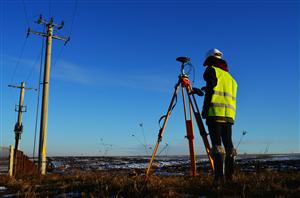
[(71, 29), (73, 17), (38, 97), (18, 61), (32, 67), (25, 11)]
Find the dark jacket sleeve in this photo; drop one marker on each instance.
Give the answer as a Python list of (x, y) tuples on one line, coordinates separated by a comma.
[(211, 81)]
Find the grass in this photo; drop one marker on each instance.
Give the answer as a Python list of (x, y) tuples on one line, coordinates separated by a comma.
[(126, 184)]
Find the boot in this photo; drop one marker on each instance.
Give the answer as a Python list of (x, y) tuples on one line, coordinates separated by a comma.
[(218, 162), (218, 155), (229, 164)]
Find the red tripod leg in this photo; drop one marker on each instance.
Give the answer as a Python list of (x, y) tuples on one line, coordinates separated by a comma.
[(190, 134), (201, 127), (190, 137)]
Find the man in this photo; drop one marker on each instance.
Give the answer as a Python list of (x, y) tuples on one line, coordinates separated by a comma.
[(219, 111)]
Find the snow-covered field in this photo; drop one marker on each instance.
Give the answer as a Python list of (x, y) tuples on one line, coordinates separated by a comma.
[(173, 164), (164, 165)]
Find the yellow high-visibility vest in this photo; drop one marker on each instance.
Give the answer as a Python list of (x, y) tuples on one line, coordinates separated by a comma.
[(223, 102)]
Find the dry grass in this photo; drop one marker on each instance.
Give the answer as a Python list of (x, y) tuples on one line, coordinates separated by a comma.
[(119, 184)]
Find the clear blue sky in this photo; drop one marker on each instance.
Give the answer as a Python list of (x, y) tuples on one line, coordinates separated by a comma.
[(119, 69)]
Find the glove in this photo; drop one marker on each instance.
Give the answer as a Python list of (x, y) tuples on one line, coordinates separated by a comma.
[(197, 91)]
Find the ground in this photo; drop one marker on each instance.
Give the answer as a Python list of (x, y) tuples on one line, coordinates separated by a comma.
[(131, 183)]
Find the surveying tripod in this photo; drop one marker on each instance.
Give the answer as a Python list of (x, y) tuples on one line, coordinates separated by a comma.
[(184, 83)]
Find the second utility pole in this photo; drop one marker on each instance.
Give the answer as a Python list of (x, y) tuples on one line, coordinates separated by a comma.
[(44, 112), (18, 129)]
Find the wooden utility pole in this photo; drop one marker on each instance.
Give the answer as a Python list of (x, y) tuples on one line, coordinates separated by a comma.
[(50, 25), (11, 160), (19, 126)]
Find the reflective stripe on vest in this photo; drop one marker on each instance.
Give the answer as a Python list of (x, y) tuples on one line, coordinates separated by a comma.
[(223, 102)]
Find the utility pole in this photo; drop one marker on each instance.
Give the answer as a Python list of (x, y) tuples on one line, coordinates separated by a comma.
[(50, 25), (19, 126)]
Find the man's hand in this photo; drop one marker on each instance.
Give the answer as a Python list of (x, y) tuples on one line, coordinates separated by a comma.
[(197, 91)]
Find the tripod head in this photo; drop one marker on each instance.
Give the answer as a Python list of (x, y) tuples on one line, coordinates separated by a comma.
[(184, 61)]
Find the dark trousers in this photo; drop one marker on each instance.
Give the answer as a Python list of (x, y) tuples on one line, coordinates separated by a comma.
[(221, 132)]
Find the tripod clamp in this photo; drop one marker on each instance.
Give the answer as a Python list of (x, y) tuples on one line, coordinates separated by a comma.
[(184, 80)]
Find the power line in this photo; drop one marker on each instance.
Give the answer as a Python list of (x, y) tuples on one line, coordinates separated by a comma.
[(22, 49), (18, 61), (74, 14), (38, 97), (50, 5), (32, 67), (25, 11), (59, 55), (70, 33)]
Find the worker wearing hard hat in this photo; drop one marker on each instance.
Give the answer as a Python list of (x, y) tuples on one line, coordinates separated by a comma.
[(219, 111)]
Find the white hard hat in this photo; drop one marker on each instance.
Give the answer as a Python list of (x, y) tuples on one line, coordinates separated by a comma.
[(214, 52)]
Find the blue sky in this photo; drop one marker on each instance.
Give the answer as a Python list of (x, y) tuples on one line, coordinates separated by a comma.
[(119, 70)]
